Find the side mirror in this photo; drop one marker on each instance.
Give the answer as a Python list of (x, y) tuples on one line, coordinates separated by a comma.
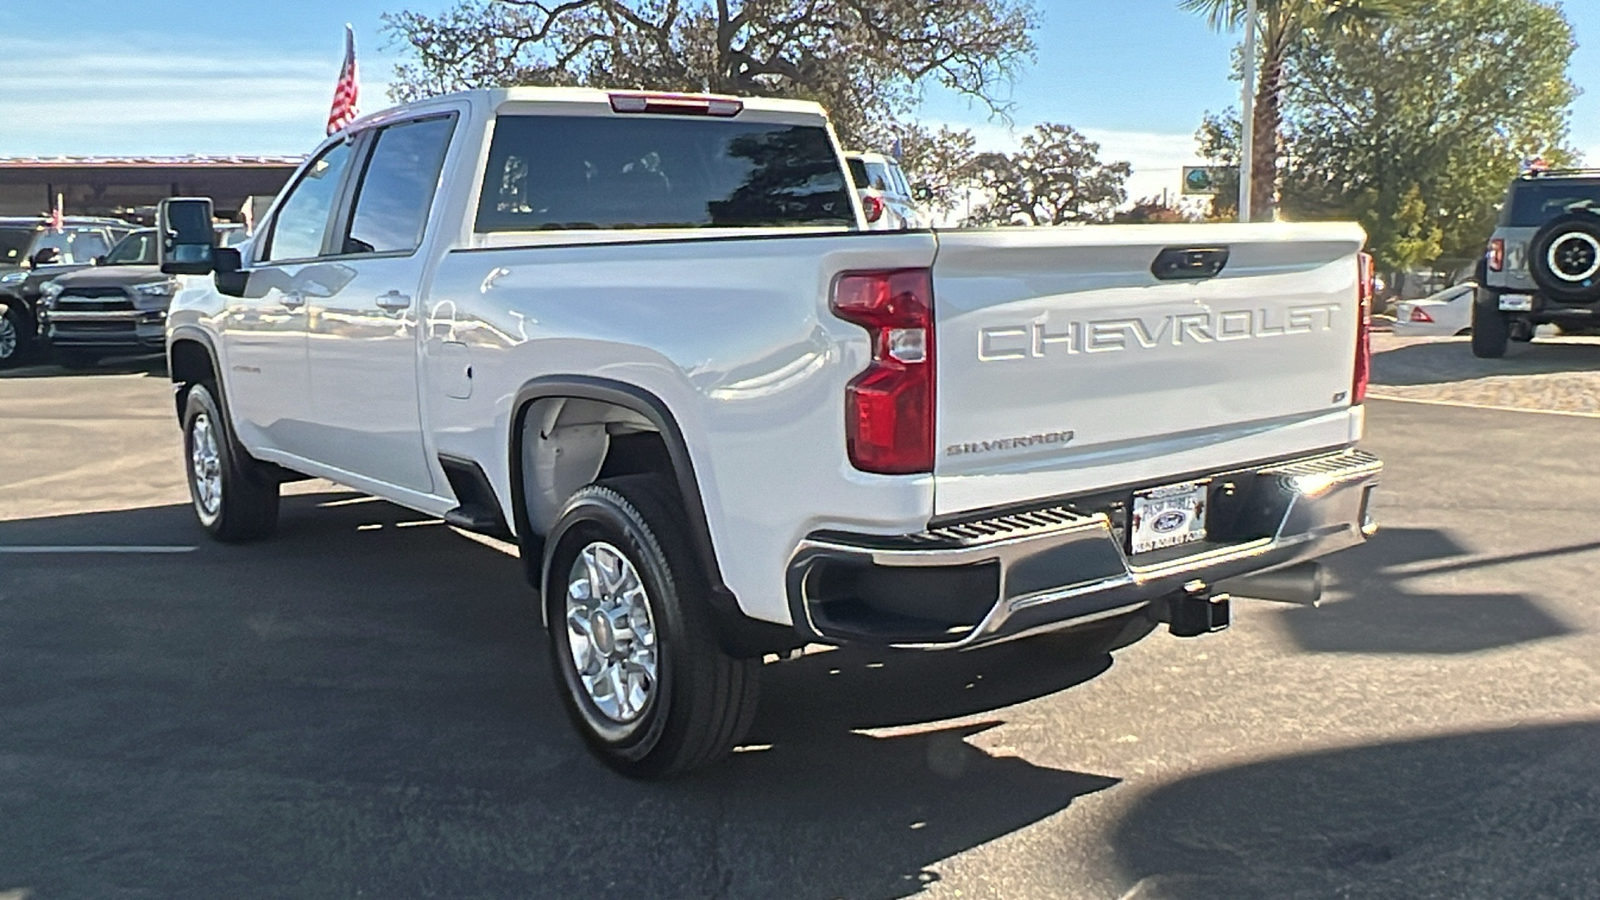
[(48, 256), (98, 260), (187, 245)]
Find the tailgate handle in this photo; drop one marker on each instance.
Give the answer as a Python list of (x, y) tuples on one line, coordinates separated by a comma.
[(1189, 263)]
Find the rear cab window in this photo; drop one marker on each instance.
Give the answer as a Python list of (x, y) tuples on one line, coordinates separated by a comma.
[(1534, 202), (567, 172)]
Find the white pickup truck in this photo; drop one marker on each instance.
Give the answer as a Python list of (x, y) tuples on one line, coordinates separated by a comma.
[(648, 338)]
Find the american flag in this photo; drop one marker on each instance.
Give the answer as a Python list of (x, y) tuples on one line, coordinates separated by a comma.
[(348, 90)]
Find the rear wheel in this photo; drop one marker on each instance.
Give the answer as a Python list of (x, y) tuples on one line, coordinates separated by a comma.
[(234, 499), (1491, 330), (642, 674)]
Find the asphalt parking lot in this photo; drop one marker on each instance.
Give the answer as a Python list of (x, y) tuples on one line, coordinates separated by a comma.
[(361, 706)]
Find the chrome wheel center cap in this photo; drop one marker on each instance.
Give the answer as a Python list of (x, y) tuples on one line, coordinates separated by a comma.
[(611, 634), (605, 640)]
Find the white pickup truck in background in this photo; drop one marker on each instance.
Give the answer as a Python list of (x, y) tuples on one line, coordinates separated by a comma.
[(647, 337)]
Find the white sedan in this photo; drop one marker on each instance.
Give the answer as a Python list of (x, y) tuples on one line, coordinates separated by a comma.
[(1446, 313)]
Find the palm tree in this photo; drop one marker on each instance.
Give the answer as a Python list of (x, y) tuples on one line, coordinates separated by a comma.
[(1280, 24)]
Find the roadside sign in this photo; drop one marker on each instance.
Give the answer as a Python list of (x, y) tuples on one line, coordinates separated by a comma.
[(1205, 179)]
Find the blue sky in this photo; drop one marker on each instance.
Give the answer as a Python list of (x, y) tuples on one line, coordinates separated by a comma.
[(224, 76)]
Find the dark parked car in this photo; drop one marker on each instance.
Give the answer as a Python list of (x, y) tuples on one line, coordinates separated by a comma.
[(116, 308), (33, 252)]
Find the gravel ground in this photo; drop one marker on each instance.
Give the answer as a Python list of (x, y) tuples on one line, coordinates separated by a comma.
[(1552, 374)]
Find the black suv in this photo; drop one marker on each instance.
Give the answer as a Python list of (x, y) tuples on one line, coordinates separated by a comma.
[(33, 252), (1543, 262)]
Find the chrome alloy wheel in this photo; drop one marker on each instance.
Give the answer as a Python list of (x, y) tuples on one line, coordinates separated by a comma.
[(205, 465), (611, 633), (8, 337)]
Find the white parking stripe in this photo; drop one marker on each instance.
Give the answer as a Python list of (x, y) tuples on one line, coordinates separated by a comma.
[(105, 548)]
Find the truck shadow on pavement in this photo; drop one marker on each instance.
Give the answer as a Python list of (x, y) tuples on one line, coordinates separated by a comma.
[(153, 366), (1378, 605), (363, 705), (1488, 814), (1444, 361)]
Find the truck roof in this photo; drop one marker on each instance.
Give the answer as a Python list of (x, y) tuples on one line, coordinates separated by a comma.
[(495, 98)]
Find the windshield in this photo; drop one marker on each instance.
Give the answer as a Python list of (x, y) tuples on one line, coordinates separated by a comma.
[(14, 245), (565, 172), (1534, 203), (137, 249), (78, 246)]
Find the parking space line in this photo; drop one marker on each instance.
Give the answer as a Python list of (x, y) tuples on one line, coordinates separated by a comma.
[(100, 548), (1461, 404)]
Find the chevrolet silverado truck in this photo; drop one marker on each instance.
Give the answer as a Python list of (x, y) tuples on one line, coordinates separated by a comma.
[(648, 338)]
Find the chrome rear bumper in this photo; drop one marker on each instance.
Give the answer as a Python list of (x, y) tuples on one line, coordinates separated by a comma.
[(990, 580)]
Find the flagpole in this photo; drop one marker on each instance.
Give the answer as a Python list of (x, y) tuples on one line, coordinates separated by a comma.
[(1247, 129)]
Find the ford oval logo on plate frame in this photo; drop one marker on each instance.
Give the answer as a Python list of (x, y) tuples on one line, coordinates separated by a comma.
[(1169, 521), (1168, 516)]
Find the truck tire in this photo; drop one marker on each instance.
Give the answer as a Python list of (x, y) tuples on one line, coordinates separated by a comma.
[(14, 336), (1491, 329), (234, 501), (633, 647)]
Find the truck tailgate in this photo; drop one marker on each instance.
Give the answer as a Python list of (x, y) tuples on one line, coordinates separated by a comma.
[(1066, 366)]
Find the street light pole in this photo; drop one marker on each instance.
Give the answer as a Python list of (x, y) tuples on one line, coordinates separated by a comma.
[(1247, 123)]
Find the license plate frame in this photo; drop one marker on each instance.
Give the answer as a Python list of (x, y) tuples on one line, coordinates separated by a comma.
[(1516, 303), (1168, 516)]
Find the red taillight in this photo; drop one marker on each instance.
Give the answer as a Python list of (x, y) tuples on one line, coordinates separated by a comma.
[(1418, 314), (676, 104), (1363, 375), (1497, 255), (872, 206), (889, 407)]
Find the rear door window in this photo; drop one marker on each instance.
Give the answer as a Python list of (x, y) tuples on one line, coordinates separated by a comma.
[(302, 222), (582, 172), (397, 188)]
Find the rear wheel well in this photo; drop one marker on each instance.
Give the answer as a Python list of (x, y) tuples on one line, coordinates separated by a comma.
[(568, 443)]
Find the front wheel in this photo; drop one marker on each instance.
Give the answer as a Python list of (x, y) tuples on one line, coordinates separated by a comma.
[(642, 674), (233, 500), (1491, 331), (13, 336)]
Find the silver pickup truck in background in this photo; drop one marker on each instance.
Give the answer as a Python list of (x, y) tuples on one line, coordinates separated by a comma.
[(648, 338)]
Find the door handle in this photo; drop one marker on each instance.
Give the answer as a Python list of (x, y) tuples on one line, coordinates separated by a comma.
[(394, 301), (293, 299)]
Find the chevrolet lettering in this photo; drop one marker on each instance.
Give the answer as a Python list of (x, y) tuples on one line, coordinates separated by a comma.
[(646, 338), (1040, 339)]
